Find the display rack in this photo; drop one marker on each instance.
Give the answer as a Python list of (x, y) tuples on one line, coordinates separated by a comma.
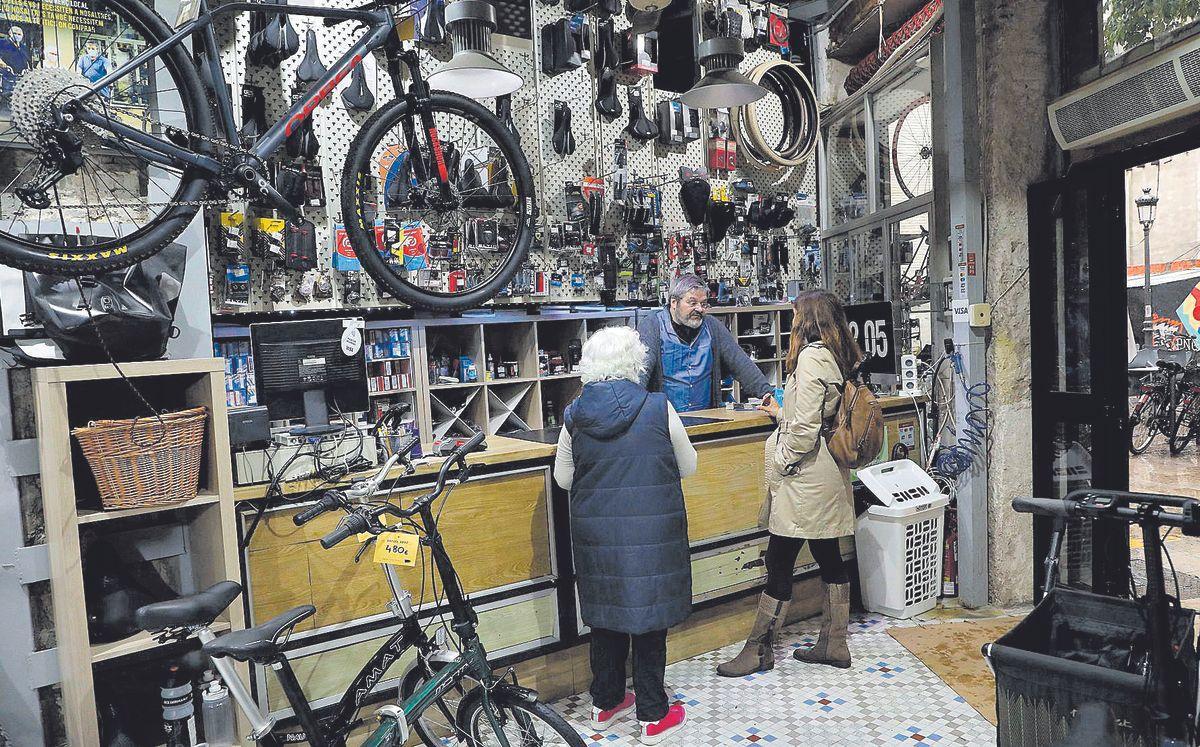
[(202, 528), (767, 331)]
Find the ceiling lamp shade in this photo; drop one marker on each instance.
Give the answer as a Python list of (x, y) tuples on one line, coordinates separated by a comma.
[(472, 71), (722, 85)]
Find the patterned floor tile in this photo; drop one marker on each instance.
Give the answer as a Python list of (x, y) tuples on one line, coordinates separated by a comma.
[(887, 697)]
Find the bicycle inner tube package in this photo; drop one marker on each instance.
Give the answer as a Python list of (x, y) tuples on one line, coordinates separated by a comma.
[(790, 90), (563, 139), (640, 127)]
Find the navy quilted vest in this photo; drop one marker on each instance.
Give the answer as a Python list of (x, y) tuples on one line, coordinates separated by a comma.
[(628, 522)]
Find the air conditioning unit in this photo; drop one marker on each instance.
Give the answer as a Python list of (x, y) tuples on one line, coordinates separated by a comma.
[(1161, 87)]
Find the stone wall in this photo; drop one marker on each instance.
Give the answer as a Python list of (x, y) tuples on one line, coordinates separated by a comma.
[(1017, 68)]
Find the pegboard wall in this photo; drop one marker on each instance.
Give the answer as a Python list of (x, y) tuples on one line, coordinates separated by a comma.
[(533, 113)]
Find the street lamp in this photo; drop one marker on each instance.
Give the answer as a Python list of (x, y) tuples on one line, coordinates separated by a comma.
[(1147, 205)]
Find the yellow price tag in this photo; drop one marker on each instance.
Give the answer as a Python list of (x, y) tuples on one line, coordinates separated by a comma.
[(364, 536), (271, 225), (397, 548)]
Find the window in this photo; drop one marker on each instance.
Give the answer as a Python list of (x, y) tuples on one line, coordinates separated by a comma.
[(847, 157), (904, 134), (1128, 23)]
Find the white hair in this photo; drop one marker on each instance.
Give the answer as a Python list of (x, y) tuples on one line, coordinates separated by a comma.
[(613, 353)]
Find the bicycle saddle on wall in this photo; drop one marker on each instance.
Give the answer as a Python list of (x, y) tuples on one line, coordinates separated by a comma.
[(357, 95), (640, 127), (433, 26), (311, 68), (563, 139), (607, 102)]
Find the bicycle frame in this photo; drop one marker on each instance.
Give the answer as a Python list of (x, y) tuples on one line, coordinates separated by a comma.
[(379, 33)]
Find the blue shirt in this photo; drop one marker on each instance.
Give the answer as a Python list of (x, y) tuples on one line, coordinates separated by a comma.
[(687, 368)]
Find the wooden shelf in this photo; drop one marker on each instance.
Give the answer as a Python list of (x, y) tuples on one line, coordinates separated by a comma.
[(386, 392), (385, 360), (518, 380), (91, 517), (138, 643), (460, 385), (555, 377)]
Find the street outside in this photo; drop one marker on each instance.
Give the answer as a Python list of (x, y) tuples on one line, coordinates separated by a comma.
[(1156, 471)]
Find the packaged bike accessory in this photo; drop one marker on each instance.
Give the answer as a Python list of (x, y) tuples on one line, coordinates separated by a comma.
[(640, 127), (290, 184), (254, 112), (639, 53), (678, 123), (314, 185), (563, 139), (304, 289), (357, 96), (322, 287), (620, 172), (311, 68), (576, 209), (722, 150), (300, 245), (268, 238), (237, 284), (230, 236), (352, 288), (560, 47), (778, 33)]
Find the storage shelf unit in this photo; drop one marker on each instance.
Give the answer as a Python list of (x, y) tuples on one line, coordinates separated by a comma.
[(69, 396), (767, 329)]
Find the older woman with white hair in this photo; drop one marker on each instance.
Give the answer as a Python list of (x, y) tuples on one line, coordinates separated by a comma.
[(622, 454)]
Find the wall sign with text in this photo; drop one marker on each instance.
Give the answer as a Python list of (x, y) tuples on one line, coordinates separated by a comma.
[(871, 325)]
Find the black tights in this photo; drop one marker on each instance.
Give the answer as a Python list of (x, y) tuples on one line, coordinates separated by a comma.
[(781, 563)]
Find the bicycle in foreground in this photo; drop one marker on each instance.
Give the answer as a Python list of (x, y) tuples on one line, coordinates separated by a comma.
[(450, 696), (105, 164)]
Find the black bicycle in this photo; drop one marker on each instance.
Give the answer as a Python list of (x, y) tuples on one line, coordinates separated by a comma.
[(451, 695), (1154, 410), (110, 156)]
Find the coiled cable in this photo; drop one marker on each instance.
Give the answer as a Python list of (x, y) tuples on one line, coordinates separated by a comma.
[(957, 458)]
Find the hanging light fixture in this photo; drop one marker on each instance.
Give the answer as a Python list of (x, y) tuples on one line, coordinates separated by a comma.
[(722, 85), (473, 71)]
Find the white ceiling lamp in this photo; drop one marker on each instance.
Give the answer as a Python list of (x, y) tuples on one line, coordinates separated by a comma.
[(722, 85), (473, 71)]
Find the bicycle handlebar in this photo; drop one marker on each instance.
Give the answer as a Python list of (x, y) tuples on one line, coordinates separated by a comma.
[(331, 500), (351, 524), (1116, 504)]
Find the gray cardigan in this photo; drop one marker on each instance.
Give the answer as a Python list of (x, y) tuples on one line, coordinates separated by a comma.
[(727, 356)]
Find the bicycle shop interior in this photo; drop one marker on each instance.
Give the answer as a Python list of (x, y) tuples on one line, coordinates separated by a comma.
[(290, 337)]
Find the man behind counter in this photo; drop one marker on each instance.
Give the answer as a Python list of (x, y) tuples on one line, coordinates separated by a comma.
[(690, 353)]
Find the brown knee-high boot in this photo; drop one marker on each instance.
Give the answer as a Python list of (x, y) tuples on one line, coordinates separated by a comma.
[(758, 655), (831, 647)]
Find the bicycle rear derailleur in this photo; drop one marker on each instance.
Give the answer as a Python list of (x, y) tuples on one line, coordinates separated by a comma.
[(61, 156)]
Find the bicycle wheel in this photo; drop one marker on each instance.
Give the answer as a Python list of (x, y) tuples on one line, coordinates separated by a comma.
[(439, 253), (523, 724), (1143, 425), (79, 198), (912, 148), (1182, 429), (436, 725)]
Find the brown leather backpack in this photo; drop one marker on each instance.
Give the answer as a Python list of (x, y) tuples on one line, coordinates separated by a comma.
[(855, 434)]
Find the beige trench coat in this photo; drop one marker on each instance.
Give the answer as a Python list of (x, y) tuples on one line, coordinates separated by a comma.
[(816, 500)]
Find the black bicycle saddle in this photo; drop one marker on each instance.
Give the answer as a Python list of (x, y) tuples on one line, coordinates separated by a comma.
[(433, 26), (357, 95), (563, 139), (469, 183), (606, 47), (504, 114), (718, 219), (254, 112), (311, 68), (640, 126), (694, 195), (607, 102)]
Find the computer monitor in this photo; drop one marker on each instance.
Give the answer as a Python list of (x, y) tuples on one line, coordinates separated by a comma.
[(300, 370)]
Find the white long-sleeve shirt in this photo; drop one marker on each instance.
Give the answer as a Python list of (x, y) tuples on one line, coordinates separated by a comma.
[(685, 453)]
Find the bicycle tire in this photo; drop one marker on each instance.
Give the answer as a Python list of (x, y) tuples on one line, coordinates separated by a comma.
[(426, 728), (472, 717), (1177, 443), (895, 154), (164, 228), (362, 236), (1137, 446)]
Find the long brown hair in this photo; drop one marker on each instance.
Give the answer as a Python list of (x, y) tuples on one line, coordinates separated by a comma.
[(819, 317)]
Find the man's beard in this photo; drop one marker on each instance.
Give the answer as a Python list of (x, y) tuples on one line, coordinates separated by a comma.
[(693, 320)]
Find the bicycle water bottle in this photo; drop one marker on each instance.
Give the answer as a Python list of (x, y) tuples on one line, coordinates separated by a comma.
[(177, 707), (216, 714)]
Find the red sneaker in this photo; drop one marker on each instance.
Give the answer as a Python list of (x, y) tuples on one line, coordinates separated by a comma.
[(654, 732), (601, 720)]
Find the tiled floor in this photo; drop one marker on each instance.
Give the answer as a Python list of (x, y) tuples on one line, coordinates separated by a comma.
[(888, 697)]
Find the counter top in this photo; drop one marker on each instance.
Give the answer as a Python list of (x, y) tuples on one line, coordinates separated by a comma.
[(504, 450)]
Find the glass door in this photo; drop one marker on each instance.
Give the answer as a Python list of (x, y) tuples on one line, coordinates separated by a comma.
[(1078, 365)]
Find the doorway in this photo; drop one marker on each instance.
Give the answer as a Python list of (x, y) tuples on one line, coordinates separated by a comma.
[(1090, 348)]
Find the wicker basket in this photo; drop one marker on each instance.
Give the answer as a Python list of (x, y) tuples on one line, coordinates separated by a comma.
[(144, 462)]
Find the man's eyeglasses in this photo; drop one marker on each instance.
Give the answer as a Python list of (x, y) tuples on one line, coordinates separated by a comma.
[(688, 303)]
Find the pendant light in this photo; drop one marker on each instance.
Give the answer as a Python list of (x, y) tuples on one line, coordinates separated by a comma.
[(473, 71), (722, 85)]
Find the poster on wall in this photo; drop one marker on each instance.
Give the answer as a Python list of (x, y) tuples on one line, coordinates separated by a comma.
[(72, 36)]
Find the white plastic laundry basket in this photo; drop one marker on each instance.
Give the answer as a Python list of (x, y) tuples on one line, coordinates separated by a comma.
[(899, 544)]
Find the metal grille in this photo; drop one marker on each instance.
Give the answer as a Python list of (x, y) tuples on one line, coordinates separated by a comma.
[(1143, 94), (1190, 64)]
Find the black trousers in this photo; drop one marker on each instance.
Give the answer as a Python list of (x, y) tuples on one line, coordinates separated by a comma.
[(781, 563), (609, 651)]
